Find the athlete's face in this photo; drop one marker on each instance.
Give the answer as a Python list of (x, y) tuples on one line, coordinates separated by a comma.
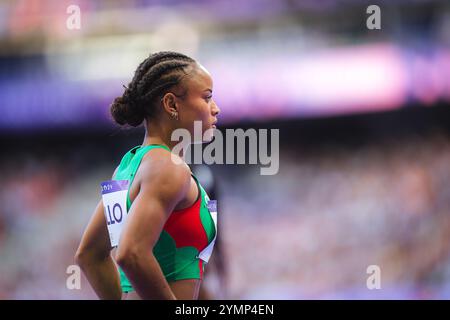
[(197, 104)]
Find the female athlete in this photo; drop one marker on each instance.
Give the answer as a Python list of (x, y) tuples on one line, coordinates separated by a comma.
[(168, 229)]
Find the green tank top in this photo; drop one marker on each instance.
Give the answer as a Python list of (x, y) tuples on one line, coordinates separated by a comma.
[(188, 236)]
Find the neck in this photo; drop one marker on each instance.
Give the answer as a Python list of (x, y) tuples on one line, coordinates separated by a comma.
[(160, 133)]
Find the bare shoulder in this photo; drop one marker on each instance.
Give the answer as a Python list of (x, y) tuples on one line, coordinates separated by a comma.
[(165, 170)]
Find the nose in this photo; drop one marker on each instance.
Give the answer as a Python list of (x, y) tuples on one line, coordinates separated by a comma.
[(215, 109)]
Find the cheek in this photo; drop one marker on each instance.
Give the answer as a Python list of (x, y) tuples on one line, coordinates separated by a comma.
[(195, 109), (199, 110)]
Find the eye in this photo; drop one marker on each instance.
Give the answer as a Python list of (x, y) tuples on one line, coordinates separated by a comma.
[(208, 98)]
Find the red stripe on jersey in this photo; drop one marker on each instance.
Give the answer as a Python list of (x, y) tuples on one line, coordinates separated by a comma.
[(186, 228)]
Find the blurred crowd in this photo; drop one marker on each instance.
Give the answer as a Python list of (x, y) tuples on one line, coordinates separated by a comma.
[(313, 230)]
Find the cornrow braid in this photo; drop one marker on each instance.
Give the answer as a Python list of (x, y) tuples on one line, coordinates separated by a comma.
[(152, 78)]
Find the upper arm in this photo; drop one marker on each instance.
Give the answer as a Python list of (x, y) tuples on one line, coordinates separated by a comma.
[(163, 185), (115, 171), (95, 240)]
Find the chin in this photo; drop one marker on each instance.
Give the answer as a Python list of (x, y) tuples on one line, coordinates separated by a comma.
[(208, 135)]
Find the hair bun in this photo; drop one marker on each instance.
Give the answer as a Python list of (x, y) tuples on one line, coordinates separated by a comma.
[(127, 110)]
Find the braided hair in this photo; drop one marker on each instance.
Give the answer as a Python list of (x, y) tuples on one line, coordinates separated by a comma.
[(152, 79)]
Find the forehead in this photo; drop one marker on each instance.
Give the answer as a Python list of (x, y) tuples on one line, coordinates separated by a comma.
[(200, 79)]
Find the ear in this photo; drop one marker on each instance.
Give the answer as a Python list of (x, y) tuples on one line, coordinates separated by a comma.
[(169, 102)]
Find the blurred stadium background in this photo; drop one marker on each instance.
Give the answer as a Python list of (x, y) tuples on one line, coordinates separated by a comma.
[(364, 125)]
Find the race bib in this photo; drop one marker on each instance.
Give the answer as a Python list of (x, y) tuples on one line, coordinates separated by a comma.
[(114, 195), (206, 253)]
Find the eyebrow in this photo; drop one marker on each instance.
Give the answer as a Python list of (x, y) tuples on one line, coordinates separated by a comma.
[(207, 90)]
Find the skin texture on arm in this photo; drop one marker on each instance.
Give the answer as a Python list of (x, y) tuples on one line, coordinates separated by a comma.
[(163, 184), (94, 257)]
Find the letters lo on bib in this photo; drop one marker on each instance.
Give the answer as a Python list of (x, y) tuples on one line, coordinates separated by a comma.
[(206, 253), (114, 195)]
